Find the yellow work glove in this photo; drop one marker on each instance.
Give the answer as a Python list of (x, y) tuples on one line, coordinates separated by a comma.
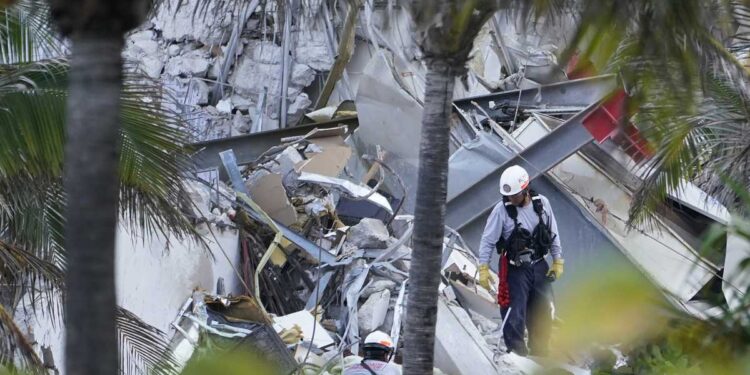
[(484, 276), (556, 269)]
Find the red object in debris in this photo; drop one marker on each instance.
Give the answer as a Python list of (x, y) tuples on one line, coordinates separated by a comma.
[(503, 290), (606, 121), (602, 123), (579, 68), (633, 144)]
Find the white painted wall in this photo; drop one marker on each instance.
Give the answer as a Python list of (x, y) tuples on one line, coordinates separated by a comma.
[(155, 276)]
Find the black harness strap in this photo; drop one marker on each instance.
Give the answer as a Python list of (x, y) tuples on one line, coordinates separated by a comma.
[(367, 367), (541, 237)]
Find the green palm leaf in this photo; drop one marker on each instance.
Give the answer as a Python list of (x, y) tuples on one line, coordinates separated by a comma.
[(25, 33), (143, 348), (15, 350), (31, 143), (28, 272), (667, 53)]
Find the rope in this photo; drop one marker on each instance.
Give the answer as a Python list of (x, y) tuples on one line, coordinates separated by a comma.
[(677, 252)]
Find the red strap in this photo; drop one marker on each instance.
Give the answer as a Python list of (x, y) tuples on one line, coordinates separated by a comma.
[(503, 291)]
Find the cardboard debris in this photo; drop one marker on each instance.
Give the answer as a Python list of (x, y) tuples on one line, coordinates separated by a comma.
[(270, 195), (330, 162)]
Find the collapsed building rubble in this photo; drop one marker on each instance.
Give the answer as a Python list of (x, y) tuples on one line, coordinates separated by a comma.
[(326, 251), (326, 258), (329, 236), (314, 226), (323, 254)]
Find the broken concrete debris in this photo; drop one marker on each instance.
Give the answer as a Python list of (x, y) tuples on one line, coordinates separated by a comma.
[(321, 282), (369, 234), (325, 252), (238, 55), (372, 313)]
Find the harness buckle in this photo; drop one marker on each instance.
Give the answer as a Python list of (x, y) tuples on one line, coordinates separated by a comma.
[(525, 257)]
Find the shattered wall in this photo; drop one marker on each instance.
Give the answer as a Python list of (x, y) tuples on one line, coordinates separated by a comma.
[(186, 49)]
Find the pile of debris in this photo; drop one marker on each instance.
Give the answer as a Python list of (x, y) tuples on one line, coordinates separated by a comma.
[(325, 261), (221, 64)]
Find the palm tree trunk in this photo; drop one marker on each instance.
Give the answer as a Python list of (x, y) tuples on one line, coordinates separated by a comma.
[(91, 184), (429, 219)]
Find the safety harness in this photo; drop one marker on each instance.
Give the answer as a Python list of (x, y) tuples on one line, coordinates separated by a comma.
[(522, 247), (367, 367)]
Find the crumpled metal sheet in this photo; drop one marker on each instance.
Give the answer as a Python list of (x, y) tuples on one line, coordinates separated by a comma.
[(396, 129), (737, 278), (353, 284)]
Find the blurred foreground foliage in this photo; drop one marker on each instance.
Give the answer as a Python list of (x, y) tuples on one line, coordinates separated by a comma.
[(617, 310), (235, 363)]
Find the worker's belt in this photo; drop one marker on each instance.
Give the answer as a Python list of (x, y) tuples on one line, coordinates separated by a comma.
[(525, 258)]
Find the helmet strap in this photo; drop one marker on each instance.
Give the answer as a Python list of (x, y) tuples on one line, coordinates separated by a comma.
[(526, 197)]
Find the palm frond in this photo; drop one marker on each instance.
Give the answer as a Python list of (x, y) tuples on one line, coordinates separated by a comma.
[(666, 53), (15, 350), (31, 198), (708, 147), (143, 348), (530, 13), (31, 156), (727, 137), (23, 271), (666, 122), (153, 158), (26, 35), (41, 74)]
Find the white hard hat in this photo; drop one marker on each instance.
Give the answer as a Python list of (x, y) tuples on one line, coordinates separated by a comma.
[(513, 180), (379, 338)]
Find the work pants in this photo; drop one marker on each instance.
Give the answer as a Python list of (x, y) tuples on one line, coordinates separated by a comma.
[(530, 308)]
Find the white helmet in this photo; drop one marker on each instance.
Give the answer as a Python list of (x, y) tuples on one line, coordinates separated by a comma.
[(513, 180), (379, 339)]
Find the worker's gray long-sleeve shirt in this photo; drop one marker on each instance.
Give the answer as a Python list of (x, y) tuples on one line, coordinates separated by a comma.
[(527, 218), (379, 367)]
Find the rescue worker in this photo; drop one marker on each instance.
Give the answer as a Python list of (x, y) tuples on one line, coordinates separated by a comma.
[(522, 228), (377, 351)]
